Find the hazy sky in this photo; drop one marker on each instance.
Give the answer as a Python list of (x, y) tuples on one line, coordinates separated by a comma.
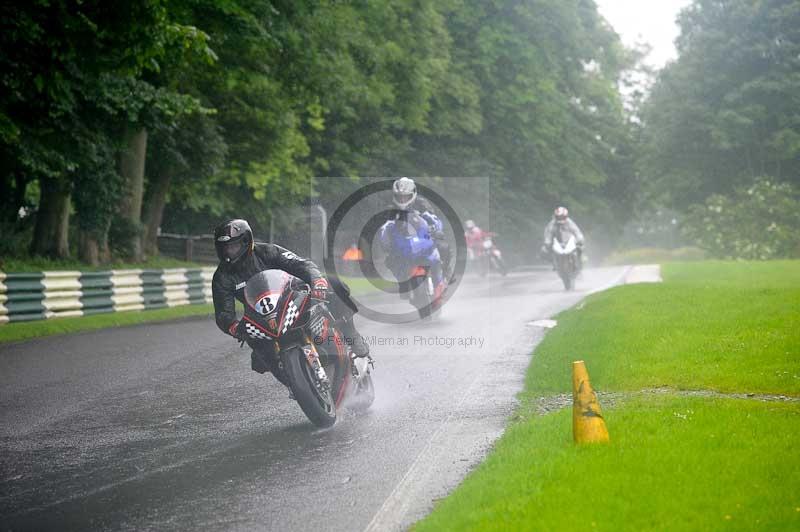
[(652, 21)]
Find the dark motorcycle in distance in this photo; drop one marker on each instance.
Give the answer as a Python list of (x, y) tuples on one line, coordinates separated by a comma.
[(301, 343), (565, 258)]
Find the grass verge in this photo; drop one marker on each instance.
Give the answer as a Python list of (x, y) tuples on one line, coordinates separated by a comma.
[(15, 332), (730, 327), (676, 462)]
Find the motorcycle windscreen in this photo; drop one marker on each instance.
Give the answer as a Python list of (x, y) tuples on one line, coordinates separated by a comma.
[(264, 290)]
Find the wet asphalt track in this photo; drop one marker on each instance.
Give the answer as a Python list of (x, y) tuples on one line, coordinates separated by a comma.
[(165, 427)]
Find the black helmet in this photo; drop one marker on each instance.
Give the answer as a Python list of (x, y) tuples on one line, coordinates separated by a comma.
[(233, 240)]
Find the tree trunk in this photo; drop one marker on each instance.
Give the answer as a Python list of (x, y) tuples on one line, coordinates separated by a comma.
[(131, 169), (154, 211), (6, 194), (52, 220), (88, 249), (93, 248)]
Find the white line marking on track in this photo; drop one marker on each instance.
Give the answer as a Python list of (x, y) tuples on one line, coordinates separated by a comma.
[(394, 508)]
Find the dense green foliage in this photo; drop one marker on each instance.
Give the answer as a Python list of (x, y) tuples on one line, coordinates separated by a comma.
[(241, 103), (116, 121), (756, 222), (728, 109)]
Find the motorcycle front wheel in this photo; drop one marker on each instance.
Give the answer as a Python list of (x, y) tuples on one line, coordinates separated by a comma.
[(421, 298), (565, 271), (484, 265), (317, 404), (500, 266)]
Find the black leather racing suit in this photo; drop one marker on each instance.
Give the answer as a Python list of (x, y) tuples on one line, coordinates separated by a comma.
[(229, 280)]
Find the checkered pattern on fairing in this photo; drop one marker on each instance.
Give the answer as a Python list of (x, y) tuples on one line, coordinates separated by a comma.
[(317, 326), (291, 315), (254, 331)]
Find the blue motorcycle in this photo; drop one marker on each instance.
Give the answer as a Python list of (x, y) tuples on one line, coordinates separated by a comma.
[(413, 258)]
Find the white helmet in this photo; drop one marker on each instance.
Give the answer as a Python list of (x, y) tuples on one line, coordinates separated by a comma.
[(469, 225), (404, 191)]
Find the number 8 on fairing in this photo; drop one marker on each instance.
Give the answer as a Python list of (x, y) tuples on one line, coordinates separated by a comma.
[(265, 305)]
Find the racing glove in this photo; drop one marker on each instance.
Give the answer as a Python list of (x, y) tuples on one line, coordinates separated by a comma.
[(238, 331), (320, 289)]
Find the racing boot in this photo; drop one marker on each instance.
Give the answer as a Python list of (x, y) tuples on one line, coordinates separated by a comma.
[(358, 345)]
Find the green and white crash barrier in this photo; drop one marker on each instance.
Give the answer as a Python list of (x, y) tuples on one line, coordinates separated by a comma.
[(45, 295)]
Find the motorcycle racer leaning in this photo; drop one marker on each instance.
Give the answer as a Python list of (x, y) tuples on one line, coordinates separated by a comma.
[(240, 258), (561, 219)]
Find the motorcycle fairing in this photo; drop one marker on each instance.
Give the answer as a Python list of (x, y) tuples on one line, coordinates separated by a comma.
[(341, 353), (409, 238), (289, 304), (564, 249)]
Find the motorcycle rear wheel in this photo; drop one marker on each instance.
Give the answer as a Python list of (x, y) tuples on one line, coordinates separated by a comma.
[(319, 407)]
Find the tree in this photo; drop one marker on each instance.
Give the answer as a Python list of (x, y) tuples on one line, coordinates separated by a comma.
[(551, 128), (184, 161), (728, 109), (74, 83), (523, 92)]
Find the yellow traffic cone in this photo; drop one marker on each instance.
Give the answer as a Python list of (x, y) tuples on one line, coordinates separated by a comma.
[(588, 425)]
